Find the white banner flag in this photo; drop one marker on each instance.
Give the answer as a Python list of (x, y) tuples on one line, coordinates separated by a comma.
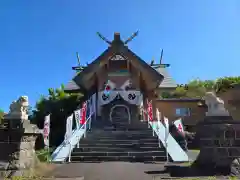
[(158, 117), (167, 127), (77, 117), (46, 130), (68, 133), (179, 126)]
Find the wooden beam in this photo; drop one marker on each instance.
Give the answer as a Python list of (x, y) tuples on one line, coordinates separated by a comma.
[(128, 65), (96, 91), (142, 82)]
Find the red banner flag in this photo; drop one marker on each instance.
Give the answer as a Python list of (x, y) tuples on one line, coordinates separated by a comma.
[(83, 113), (150, 110)]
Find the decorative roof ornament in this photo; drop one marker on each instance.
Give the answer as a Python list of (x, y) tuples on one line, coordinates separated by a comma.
[(131, 37), (117, 57), (117, 38), (78, 68), (103, 38), (160, 65), (152, 62)]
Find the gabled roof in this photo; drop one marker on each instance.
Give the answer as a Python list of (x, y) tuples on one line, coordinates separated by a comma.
[(117, 47), (168, 81), (71, 87)]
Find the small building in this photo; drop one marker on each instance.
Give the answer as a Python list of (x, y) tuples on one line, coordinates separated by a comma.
[(123, 82), (191, 111)]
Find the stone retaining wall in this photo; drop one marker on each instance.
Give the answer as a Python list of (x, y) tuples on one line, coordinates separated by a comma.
[(17, 147), (219, 142)]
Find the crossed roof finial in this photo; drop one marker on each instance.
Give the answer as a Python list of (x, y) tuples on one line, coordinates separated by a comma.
[(117, 38)]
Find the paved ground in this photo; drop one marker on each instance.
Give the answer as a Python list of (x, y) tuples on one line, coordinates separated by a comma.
[(129, 171), (114, 170), (124, 171), (108, 171)]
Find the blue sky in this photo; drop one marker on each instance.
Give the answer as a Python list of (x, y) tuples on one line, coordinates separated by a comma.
[(39, 39)]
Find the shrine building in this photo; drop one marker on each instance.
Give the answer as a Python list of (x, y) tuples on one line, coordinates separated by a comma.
[(123, 83)]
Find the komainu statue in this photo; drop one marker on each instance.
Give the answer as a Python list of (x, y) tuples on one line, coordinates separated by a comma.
[(19, 108), (215, 105)]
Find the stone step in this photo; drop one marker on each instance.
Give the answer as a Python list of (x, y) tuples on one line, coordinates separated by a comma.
[(118, 158), (115, 149), (127, 145), (130, 127), (123, 132), (99, 153), (123, 137), (118, 141)]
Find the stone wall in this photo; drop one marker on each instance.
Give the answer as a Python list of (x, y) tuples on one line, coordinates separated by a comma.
[(9, 144), (219, 141), (17, 148)]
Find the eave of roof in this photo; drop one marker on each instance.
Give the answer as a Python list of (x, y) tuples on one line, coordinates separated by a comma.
[(72, 87)]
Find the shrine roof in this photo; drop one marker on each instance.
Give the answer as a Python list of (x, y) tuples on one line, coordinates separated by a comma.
[(168, 81), (71, 86), (117, 46)]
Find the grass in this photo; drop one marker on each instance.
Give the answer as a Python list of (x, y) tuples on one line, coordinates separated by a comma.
[(42, 168), (195, 150), (44, 155), (36, 173)]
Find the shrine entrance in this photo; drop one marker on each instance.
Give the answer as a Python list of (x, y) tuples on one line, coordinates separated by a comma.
[(120, 113)]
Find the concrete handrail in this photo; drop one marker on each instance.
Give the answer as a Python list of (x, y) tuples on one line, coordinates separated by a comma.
[(65, 148)]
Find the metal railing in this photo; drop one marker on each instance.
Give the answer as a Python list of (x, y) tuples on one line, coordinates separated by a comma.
[(64, 150), (170, 144), (86, 126)]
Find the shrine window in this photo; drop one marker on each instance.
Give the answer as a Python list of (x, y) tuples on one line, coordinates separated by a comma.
[(183, 111)]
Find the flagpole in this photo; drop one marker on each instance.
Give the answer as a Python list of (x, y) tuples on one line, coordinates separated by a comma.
[(166, 137), (166, 152), (158, 124)]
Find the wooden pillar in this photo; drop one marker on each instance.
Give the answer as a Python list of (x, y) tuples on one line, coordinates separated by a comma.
[(96, 91), (143, 90), (128, 65)]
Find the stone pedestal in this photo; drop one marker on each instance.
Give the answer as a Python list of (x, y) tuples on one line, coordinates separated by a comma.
[(219, 142), (24, 158), (21, 136)]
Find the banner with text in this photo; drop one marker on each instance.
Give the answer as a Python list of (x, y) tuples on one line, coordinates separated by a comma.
[(150, 110), (166, 122), (179, 125), (78, 117), (83, 113), (46, 130), (69, 124)]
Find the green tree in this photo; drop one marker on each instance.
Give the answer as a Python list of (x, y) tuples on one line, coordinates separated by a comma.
[(180, 92), (222, 84), (1, 115), (197, 88), (60, 105)]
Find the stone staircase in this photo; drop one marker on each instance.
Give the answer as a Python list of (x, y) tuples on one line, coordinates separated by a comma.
[(123, 142)]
